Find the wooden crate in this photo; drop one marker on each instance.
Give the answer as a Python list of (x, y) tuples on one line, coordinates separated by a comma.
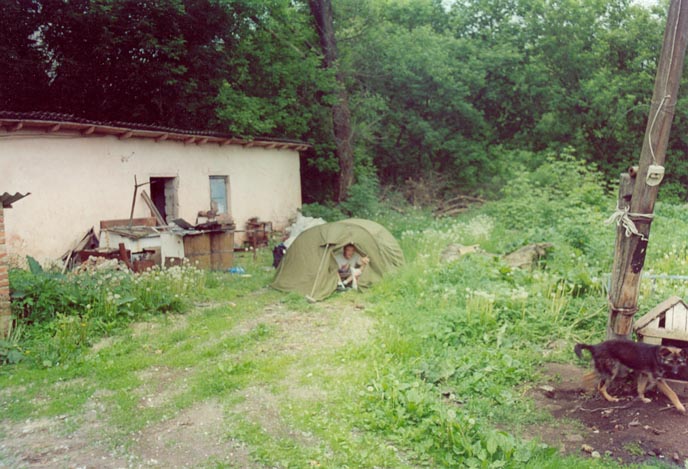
[(211, 250), (221, 250), (197, 250)]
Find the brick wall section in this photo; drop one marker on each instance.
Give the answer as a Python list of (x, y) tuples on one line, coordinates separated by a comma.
[(4, 280)]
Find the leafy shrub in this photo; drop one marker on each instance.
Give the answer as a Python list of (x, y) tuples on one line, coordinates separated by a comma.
[(10, 348), (9, 353), (563, 202), (38, 295), (440, 434), (362, 202), (326, 212), (363, 198), (63, 312)]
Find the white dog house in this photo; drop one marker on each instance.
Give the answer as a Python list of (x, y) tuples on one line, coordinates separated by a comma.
[(667, 324), (81, 172), (666, 321)]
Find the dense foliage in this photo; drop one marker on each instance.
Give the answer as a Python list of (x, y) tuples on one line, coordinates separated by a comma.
[(434, 86)]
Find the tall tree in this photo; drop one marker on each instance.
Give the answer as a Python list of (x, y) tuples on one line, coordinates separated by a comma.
[(413, 83), (341, 115), (24, 78)]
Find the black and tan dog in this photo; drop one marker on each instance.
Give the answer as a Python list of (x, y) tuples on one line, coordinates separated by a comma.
[(650, 362)]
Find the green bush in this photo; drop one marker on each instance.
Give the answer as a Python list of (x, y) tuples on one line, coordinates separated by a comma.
[(563, 202), (10, 348), (328, 213), (362, 202), (363, 198), (63, 313)]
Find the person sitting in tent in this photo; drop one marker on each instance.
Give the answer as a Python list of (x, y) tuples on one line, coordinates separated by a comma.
[(350, 266), (309, 266)]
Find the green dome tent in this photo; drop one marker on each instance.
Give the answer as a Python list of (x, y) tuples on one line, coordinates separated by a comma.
[(309, 266)]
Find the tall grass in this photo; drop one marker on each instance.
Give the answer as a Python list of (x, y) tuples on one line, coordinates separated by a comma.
[(461, 341), (58, 316)]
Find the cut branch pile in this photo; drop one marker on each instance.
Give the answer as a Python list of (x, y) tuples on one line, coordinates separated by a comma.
[(456, 205)]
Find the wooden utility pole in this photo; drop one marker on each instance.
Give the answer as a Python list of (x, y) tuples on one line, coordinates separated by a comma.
[(638, 190)]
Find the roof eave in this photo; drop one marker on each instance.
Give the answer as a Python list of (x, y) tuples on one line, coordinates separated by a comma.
[(124, 132), (7, 199)]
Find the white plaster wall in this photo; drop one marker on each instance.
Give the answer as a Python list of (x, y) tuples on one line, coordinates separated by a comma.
[(76, 181)]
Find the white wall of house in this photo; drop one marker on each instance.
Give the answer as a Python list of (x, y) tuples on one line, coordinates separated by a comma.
[(75, 181)]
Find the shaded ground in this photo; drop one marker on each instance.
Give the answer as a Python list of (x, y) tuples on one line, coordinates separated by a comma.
[(629, 431)]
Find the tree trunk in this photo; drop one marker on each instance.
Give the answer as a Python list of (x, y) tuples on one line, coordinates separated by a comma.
[(341, 116)]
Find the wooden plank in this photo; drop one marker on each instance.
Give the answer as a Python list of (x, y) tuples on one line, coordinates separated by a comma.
[(197, 250), (650, 339), (679, 317), (148, 221), (656, 311), (669, 319), (679, 387), (664, 333), (153, 208), (676, 318), (221, 249)]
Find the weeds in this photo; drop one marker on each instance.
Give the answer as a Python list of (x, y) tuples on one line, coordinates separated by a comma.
[(10, 348), (439, 382), (61, 315)]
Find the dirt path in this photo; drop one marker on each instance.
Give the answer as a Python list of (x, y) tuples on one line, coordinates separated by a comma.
[(629, 431), (196, 436)]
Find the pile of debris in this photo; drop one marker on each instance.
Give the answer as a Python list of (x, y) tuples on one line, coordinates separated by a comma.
[(138, 244), (100, 264), (457, 205), (523, 258)]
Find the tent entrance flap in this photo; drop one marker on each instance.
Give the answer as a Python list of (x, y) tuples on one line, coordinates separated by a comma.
[(326, 251)]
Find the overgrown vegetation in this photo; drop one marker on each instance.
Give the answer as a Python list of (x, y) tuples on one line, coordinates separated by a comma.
[(59, 315), (442, 379), (459, 87)]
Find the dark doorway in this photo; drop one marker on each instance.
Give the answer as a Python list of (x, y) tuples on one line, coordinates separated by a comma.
[(164, 196)]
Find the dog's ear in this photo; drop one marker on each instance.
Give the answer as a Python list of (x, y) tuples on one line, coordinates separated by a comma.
[(664, 351)]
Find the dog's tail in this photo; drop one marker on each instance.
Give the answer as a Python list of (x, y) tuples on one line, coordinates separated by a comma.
[(580, 347)]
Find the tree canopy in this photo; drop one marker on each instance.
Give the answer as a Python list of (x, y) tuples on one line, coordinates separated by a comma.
[(467, 89)]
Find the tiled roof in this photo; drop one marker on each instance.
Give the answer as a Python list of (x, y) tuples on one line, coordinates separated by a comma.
[(55, 122)]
